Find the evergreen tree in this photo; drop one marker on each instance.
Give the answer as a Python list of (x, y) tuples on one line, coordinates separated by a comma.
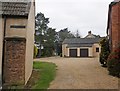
[(44, 35)]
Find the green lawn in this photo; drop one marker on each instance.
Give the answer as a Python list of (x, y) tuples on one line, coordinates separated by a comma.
[(45, 74)]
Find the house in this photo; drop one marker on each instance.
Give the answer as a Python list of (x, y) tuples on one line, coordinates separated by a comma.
[(90, 35), (113, 26), (16, 40), (81, 47)]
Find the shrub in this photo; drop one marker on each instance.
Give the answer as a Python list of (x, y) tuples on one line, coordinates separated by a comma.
[(113, 62), (47, 52), (35, 51), (104, 51)]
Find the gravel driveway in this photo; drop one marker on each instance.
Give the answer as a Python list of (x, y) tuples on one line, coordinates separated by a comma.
[(81, 73), (0, 80)]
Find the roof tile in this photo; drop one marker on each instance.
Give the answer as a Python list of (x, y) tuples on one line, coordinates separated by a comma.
[(15, 8), (81, 42)]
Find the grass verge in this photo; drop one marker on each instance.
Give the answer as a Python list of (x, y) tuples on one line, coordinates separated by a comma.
[(42, 75)]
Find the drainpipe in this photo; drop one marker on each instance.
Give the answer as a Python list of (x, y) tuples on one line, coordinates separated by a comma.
[(3, 51)]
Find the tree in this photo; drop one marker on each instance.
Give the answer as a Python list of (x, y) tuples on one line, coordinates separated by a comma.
[(77, 35), (48, 37), (60, 37), (44, 35), (49, 43), (104, 51), (63, 34), (41, 26)]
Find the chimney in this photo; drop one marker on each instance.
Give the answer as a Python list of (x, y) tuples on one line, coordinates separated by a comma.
[(89, 32)]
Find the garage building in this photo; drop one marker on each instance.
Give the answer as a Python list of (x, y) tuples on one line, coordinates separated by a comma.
[(81, 47)]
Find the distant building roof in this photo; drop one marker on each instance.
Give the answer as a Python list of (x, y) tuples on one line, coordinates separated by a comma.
[(90, 35), (15, 7), (88, 41), (81, 42), (79, 45)]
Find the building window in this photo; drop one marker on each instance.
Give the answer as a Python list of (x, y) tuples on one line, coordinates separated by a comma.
[(97, 49), (17, 26)]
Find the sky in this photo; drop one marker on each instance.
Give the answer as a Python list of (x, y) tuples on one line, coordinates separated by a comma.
[(81, 15)]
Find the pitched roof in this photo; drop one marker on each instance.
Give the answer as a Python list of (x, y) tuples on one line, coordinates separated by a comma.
[(15, 7), (79, 45), (81, 40), (90, 35)]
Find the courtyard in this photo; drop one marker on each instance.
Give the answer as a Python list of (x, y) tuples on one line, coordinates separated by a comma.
[(80, 73)]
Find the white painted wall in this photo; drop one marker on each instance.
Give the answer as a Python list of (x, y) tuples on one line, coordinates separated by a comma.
[(68, 52), (1, 47), (16, 32), (64, 50), (96, 54), (30, 43), (90, 52), (78, 52)]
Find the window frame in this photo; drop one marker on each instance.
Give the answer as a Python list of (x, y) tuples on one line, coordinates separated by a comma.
[(97, 49)]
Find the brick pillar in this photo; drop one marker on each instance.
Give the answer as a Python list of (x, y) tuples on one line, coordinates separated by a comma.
[(115, 26), (14, 63), (119, 24)]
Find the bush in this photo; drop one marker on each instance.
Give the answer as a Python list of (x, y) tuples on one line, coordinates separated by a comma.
[(48, 52), (113, 62), (35, 51), (103, 58), (104, 51)]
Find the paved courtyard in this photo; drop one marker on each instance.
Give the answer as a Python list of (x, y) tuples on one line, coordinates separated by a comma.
[(81, 73)]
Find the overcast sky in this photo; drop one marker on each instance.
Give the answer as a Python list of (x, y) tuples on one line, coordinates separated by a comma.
[(81, 15)]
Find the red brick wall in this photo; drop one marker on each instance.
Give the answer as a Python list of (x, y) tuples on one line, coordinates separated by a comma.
[(115, 25), (14, 63), (119, 24)]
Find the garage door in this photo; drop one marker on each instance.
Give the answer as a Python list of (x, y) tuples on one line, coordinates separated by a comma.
[(83, 52), (73, 53)]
